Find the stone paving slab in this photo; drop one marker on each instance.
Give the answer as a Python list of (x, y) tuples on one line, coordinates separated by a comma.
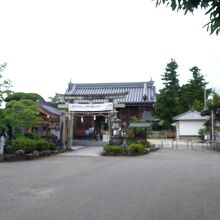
[(84, 151)]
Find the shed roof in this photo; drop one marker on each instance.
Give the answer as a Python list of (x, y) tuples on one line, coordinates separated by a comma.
[(191, 115), (135, 92)]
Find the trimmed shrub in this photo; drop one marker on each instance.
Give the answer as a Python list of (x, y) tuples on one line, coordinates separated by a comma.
[(130, 141), (23, 143), (30, 145), (143, 143), (41, 145), (52, 146), (113, 149), (201, 134), (136, 148), (32, 136)]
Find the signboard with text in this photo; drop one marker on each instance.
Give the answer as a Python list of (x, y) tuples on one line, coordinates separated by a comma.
[(76, 107)]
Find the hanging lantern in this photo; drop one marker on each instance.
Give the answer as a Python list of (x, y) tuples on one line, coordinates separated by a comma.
[(94, 117), (81, 119), (106, 120)]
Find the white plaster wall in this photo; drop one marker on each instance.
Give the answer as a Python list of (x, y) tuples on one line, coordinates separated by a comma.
[(190, 127)]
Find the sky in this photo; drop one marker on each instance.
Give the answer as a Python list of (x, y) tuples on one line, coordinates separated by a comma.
[(47, 43)]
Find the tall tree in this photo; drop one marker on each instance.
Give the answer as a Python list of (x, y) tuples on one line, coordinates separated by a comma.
[(211, 8), (215, 105), (192, 93), (168, 98), (22, 113), (4, 84), (54, 99), (22, 95)]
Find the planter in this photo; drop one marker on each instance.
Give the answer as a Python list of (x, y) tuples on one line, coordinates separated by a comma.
[(129, 153)]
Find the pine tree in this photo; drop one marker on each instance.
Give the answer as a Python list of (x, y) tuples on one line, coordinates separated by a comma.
[(192, 93), (168, 98)]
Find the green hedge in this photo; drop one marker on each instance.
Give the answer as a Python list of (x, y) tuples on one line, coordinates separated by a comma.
[(30, 145), (147, 143), (142, 142), (23, 143), (113, 149), (136, 148), (133, 148)]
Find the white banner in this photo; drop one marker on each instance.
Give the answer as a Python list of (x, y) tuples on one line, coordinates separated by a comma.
[(90, 107)]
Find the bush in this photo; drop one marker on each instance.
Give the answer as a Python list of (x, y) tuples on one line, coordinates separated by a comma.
[(145, 144), (130, 133), (136, 148), (113, 149), (30, 145), (23, 143), (201, 134), (52, 146), (41, 145), (32, 136)]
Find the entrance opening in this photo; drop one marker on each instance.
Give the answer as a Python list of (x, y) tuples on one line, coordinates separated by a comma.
[(91, 129), (90, 126)]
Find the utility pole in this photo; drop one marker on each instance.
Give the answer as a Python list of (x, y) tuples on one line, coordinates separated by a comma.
[(212, 118), (205, 97)]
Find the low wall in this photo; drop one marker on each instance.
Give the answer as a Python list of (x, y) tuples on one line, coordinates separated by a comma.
[(162, 134)]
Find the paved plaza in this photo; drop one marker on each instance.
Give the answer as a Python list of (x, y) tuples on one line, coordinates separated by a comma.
[(163, 185)]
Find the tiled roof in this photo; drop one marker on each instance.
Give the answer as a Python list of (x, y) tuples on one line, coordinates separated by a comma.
[(137, 92), (48, 107), (147, 116), (190, 116)]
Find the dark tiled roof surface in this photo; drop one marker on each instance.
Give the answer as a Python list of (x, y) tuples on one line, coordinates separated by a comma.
[(48, 107), (147, 116), (138, 92)]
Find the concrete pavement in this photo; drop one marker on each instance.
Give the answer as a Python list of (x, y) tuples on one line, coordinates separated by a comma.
[(84, 151), (83, 147), (163, 185)]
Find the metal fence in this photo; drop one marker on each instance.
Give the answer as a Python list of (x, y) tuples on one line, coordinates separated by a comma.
[(186, 144)]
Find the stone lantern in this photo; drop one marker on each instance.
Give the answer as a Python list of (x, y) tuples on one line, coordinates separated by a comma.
[(116, 138)]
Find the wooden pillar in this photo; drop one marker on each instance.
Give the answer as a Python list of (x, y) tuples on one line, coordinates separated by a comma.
[(62, 127), (70, 130)]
